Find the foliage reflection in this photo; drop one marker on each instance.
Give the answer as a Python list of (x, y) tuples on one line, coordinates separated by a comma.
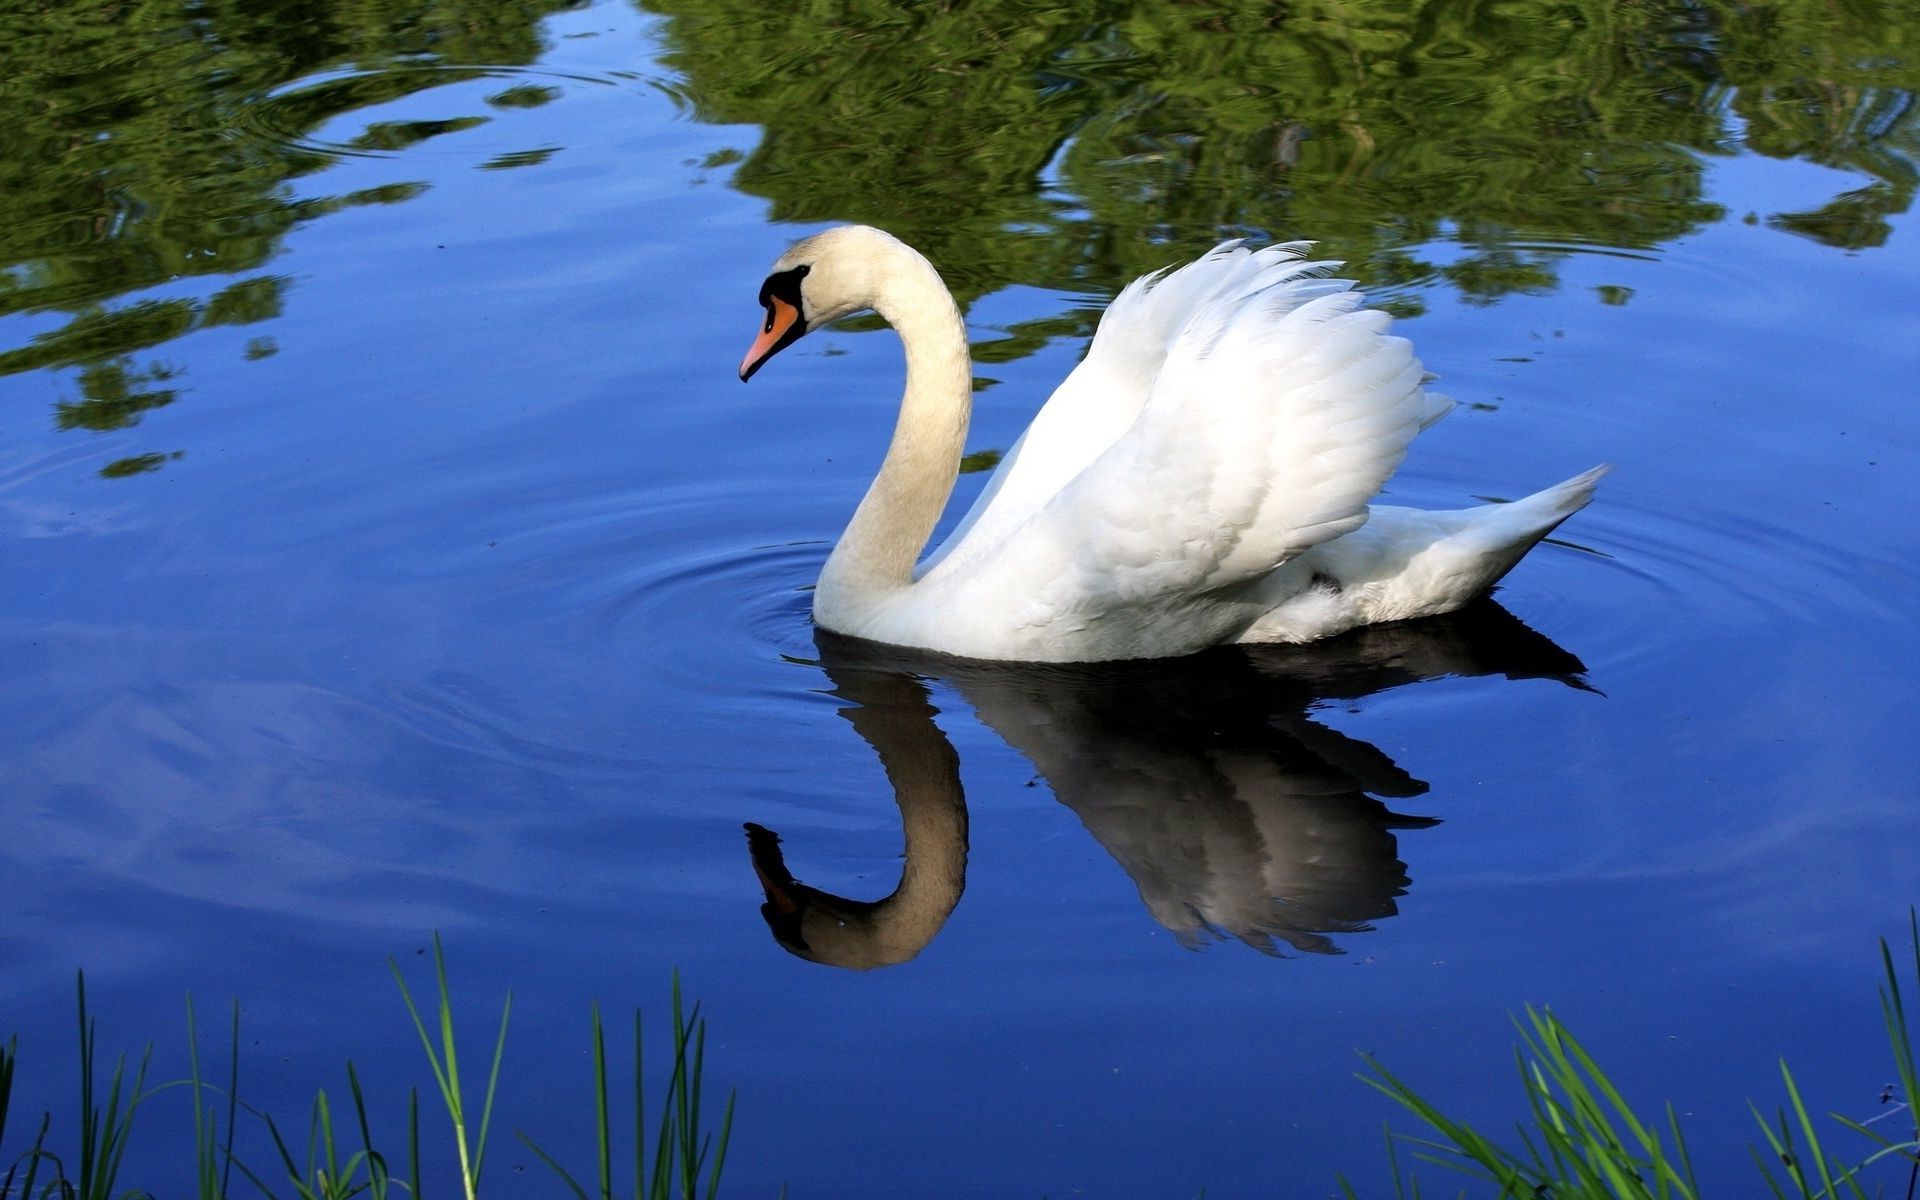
[(153, 144), (148, 176), (1062, 145)]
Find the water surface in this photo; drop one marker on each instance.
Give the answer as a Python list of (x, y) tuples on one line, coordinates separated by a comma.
[(386, 547)]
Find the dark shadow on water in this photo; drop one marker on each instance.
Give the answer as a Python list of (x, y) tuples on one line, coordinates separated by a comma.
[(1236, 814)]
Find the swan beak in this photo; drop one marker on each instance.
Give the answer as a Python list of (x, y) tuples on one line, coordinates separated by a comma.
[(784, 327), (763, 845)]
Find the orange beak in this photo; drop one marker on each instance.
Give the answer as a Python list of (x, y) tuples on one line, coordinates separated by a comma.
[(784, 327)]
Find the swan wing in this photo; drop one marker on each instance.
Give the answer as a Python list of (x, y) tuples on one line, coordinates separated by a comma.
[(1275, 417), (1105, 393)]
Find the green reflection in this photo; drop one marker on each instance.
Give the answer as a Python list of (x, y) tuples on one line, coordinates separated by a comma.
[(526, 95), (139, 464), (1075, 146), (153, 144), (151, 150)]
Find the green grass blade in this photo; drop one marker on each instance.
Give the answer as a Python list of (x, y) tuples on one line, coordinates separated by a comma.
[(639, 1109), (493, 1083), (9, 1053), (445, 1062), (1815, 1151), (314, 1169), (413, 1143), (1903, 1150), (553, 1165), (678, 1091), (323, 1113), (205, 1170), (695, 1153), (602, 1133), (33, 1157), (1685, 1155), (419, 1026), (89, 1115), (233, 1100), (1393, 1164), (720, 1150), (450, 1070), (1594, 1104), (111, 1129), (689, 1156), (1894, 1012), (294, 1174), (259, 1184), (1784, 1150), (1465, 1150), (1766, 1173), (377, 1174)]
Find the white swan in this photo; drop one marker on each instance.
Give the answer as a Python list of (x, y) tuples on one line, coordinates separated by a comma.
[(1201, 478)]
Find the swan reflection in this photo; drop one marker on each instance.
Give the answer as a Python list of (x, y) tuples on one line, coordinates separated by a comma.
[(1234, 812)]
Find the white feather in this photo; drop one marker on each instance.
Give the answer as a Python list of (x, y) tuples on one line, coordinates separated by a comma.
[(1202, 477)]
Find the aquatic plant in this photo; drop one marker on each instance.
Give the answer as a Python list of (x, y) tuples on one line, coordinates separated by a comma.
[(680, 1151), (338, 1164), (472, 1148), (1583, 1139)]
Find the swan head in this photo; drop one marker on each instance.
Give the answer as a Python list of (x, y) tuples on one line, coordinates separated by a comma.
[(820, 279)]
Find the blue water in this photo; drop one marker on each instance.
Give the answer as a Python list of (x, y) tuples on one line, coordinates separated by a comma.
[(479, 606)]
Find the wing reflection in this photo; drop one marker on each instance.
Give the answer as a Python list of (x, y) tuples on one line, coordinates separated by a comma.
[(1234, 812)]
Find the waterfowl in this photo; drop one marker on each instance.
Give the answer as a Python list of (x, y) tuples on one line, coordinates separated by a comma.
[(1202, 477)]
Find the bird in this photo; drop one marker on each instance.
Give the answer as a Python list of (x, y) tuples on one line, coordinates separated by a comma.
[(1203, 477)]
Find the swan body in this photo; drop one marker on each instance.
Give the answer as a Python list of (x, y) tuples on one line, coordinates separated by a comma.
[(1203, 477)]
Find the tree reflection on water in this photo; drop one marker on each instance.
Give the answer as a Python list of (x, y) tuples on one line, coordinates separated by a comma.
[(1061, 146), (1071, 146)]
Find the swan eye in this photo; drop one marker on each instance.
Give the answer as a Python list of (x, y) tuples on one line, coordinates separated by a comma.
[(784, 285)]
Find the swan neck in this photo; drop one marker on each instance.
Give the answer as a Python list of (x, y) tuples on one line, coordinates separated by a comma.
[(883, 541), (892, 713), (924, 771)]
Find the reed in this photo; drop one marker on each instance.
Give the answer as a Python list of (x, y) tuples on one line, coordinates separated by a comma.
[(680, 1148), (212, 1159), (1582, 1140), (339, 1159), (470, 1145), (105, 1128)]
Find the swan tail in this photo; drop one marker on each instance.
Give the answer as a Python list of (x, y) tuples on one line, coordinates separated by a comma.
[(1492, 538), (1546, 508)]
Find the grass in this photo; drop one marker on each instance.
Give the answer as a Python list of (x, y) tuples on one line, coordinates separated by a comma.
[(340, 1160), (446, 1071), (680, 1149), (1582, 1139)]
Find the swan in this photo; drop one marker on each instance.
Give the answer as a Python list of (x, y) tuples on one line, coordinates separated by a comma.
[(1201, 478)]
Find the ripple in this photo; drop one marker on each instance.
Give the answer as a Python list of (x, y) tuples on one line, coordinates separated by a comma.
[(287, 117), (699, 621), (1652, 581)]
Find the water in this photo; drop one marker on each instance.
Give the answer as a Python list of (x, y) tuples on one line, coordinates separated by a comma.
[(388, 548)]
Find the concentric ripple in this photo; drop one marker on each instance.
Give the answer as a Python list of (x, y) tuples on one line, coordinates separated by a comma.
[(702, 621), (306, 116)]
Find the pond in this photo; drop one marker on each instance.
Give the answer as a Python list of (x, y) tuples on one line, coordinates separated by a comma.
[(388, 548)]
